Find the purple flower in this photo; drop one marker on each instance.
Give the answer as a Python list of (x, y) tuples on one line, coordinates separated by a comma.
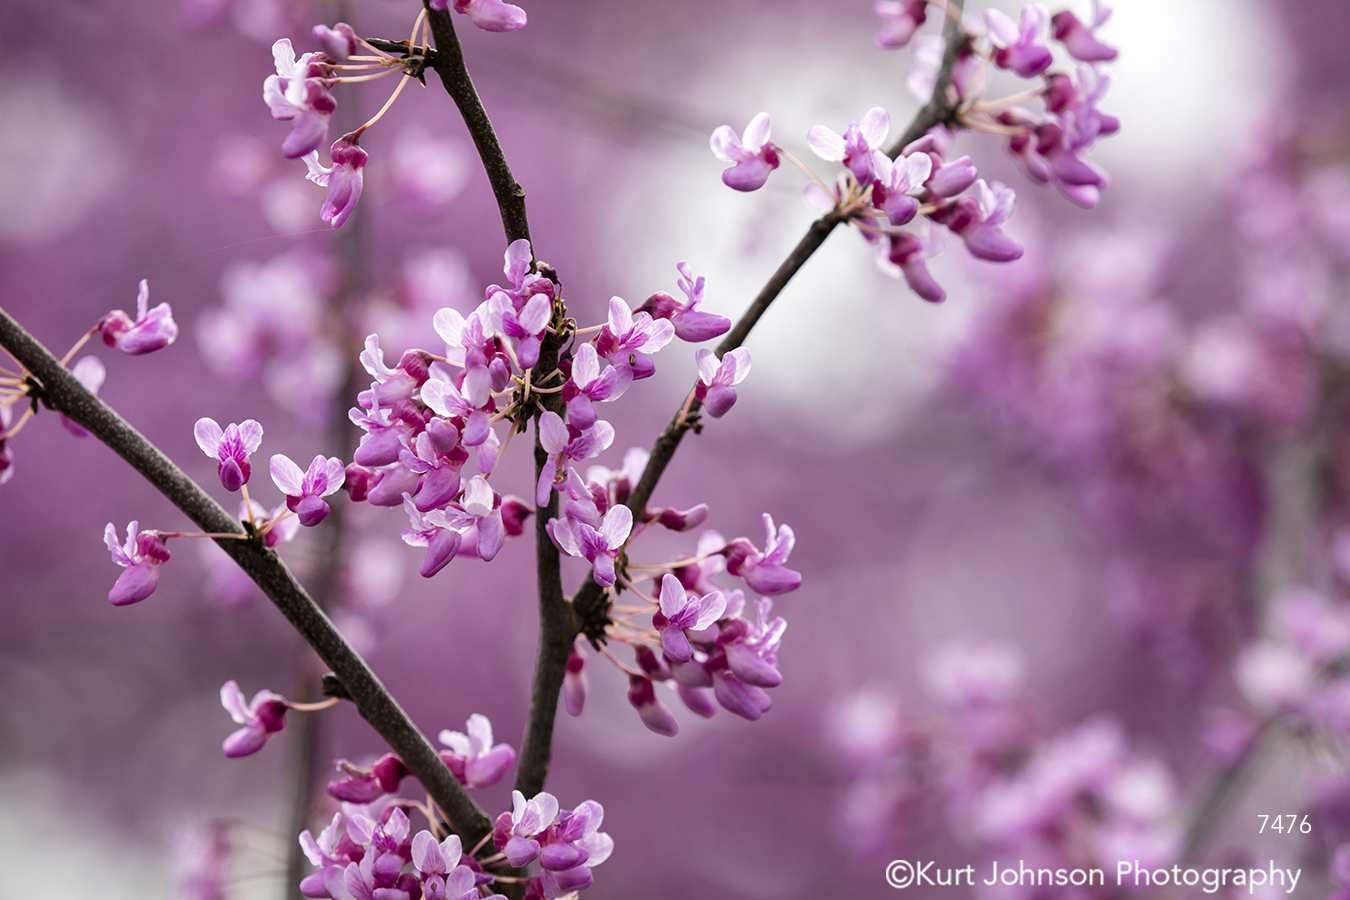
[(716, 378), (527, 327), (478, 516), (895, 181), (859, 147), (89, 372), (574, 682), (343, 180), (489, 15), (978, 221), (367, 785), (1023, 50), (627, 339), (904, 254), (6, 454), (690, 323), (600, 546), (642, 695), (765, 572), (152, 330), (899, 20), (230, 447), (754, 156), (338, 42), (305, 490), (263, 717), (588, 386), (431, 858), (473, 758), (528, 818), (1079, 39), (564, 444), (681, 610), (432, 532), (298, 93), (141, 556)]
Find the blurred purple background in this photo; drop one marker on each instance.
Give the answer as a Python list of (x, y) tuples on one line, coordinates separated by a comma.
[(919, 518)]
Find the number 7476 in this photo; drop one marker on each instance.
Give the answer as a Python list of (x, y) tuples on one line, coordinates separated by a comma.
[(1277, 823)]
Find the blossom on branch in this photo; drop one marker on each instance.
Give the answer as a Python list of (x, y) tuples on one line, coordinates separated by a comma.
[(153, 329), (142, 555)]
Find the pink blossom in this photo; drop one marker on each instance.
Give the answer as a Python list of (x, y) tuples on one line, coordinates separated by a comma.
[(230, 448), (343, 180), (263, 717), (753, 154), (473, 758), (899, 20), (153, 329), (1023, 50), (1080, 39), (565, 444), (716, 378), (141, 556), (489, 15), (599, 546), (305, 490), (765, 572), (298, 93), (859, 147), (680, 611), (338, 42)]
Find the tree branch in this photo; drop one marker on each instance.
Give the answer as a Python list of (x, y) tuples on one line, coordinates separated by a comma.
[(557, 624), (63, 392), (449, 64)]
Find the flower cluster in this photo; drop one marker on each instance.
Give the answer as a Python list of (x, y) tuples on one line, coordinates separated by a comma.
[(882, 189), (566, 843), (1078, 798), (472, 758)]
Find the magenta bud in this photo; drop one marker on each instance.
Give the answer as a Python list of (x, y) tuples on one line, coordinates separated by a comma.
[(655, 716), (232, 477), (358, 481), (560, 857)]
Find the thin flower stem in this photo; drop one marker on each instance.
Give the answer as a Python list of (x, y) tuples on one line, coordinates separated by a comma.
[(65, 360), (388, 103), (18, 426), (354, 79), (315, 707), (807, 170), (65, 393)]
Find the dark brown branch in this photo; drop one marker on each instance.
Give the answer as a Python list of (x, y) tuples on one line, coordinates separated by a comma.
[(63, 392), (557, 625), (449, 63)]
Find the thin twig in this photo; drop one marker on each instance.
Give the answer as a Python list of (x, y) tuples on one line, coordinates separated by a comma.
[(64, 393)]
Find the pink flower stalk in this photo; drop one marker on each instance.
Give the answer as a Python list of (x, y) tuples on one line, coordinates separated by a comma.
[(230, 448), (1023, 50), (305, 490), (681, 610), (299, 94), (338, 42), (472, 757), (489, 15), (89, 372), (716, 378), (263, 717), (141, 556), (859, 147), (899, 20), (343, 180), (153, 329), (1081, 40), (752, 153)]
